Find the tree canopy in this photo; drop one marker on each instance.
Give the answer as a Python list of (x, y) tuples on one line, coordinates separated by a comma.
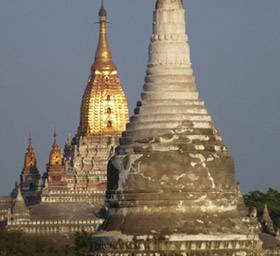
[(16, 243), (19, 244), (258, 199)]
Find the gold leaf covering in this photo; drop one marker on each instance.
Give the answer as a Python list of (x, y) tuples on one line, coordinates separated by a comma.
[(30, 157), (104, 110), (55, 154)]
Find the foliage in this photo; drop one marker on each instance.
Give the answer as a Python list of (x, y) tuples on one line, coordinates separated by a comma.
[(20, 244), (83, 243), (258, 199), (16, 243)]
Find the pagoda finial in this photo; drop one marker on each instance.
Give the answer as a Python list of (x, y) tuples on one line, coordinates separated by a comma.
[(238, 187), (30, 139), (20, 210), (102, 11), (30, 157), (19, 195), (55, 146), (265, 211), (103, 55), (54, 137), (55, 154), (29, 148), (267, 222)]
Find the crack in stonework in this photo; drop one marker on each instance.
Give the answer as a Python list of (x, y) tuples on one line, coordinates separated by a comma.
[(124, 170), (211, 178)]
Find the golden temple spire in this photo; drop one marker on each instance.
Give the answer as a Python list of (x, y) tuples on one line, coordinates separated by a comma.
[(30, 148), (55, 154), (103, 55), (30, 157), (54, 138), (104, 110)]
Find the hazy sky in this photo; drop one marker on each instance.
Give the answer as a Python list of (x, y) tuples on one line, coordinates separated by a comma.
[(47, 47)]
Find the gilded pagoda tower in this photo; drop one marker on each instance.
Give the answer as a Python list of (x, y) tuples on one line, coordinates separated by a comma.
[(104, 109), (75, 182), (171, 184), (103, 118), (55, 177), (30, 176)]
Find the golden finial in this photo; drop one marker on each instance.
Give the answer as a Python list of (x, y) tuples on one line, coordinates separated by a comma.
[(103, 55), (55, 154), (102, 11), (54, 137), (29, 148), (30, 157)]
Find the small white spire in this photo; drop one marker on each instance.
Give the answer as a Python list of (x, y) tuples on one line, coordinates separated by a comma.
[(19, 195)]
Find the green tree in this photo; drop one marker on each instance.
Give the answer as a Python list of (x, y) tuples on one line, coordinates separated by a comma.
[(258, 199), (20, 244), (83, 243)]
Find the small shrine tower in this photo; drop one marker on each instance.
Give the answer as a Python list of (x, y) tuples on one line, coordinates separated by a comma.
[(55, 178), (30, 176)]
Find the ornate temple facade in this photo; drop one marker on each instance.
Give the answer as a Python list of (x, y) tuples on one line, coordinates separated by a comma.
[(70, 195), (104, 115)]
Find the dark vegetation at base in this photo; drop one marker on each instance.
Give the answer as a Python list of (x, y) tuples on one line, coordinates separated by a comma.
[(83, 244), (258, 199), (20, 244)]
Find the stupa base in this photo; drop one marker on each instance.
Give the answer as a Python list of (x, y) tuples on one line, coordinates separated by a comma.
[(117, 244)]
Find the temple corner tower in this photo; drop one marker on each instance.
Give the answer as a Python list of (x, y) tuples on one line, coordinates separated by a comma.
[(30, 176)]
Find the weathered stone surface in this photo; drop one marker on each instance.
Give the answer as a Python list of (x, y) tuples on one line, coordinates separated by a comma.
[(169, 194), (172, 179), (19, 211), (267, 222), (176, 245), (86, 163)]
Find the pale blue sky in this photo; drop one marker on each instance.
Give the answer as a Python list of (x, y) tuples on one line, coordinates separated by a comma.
[(47, 47)]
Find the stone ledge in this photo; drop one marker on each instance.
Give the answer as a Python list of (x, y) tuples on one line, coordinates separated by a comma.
[(245, 245)]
